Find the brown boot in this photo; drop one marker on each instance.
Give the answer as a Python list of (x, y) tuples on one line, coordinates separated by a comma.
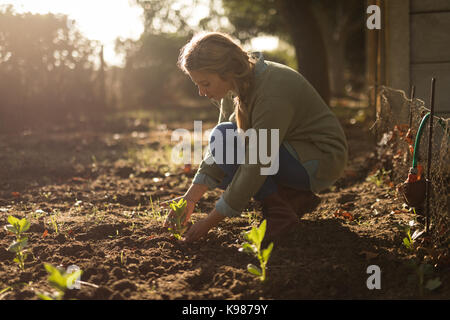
[(301, 201), (281, 218)]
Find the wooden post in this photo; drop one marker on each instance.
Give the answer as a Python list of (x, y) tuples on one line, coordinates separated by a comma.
[(430, 147)]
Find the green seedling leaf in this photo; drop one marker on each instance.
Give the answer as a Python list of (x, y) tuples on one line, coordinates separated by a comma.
[(406, 242), (248, 248), (266, 252), (433, 284), (13, 221), (57, 280), (24, 225), (60, 280), (11, 228), (262, 231), (254, 270), (177, 220), (21, 259), (5, 289), (44, 297), (255, 237), (18, 246)]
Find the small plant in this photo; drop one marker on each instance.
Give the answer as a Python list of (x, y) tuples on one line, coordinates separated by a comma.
[(380, 178), (424, 277), (153, 212), (255, 238), (177, 219), (60, 281), (19, 227), (410, 240), (54, 224)]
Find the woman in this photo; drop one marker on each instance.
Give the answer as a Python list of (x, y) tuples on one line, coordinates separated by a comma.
[(312, 149)]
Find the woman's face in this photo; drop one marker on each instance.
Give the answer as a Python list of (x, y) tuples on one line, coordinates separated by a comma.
[(211, 84)]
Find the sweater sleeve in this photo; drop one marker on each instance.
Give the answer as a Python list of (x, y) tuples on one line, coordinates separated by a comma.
[(274, 115)]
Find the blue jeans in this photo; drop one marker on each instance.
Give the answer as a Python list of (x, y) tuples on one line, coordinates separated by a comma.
[(291, 172)]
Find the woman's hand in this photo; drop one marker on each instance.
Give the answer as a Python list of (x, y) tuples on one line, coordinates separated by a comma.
[(201, 228)]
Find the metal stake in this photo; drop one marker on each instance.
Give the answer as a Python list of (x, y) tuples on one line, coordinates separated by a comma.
[(430, 138)]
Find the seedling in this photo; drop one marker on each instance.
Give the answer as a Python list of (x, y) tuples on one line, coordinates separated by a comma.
[(380, 178), (410, 240), (19, 227), (178, 218), (424, 277), (60, 281), (255, 237), (54, 224)]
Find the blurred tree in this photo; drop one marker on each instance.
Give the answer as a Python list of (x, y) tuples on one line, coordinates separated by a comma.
[(325, 33), (292, 20), (318, 29), (46, 67), (151, 77), (342, 24)]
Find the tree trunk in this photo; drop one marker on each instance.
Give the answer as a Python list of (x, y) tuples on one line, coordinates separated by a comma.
[(308, 42)]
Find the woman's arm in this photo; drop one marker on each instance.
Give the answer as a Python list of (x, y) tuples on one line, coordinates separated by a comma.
[(195, 192), (201, 228)]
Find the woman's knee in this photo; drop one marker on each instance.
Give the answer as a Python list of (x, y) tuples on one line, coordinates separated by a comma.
[(220, 145), (221, 130)]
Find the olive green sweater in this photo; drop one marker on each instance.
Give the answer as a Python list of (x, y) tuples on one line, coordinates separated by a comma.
[(281, 98)]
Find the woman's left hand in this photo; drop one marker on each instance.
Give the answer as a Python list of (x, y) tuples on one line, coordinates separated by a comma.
[(201, 228)]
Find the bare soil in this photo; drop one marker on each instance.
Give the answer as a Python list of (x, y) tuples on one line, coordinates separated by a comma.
[(102, 185)]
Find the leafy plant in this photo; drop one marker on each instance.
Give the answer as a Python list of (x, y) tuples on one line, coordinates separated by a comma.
[(54, 224), (255, 238), (177, 219), (410, 240), (380, 178), (18, 228), (423, 276), (60, 281)]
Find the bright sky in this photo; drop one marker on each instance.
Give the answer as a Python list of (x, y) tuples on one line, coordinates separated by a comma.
[(121, 19)]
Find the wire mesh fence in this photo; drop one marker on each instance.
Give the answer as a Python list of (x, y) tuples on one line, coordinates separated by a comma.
[(402, 128)]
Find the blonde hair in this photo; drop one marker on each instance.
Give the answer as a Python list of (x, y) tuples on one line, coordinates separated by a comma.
[(218, 53)]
